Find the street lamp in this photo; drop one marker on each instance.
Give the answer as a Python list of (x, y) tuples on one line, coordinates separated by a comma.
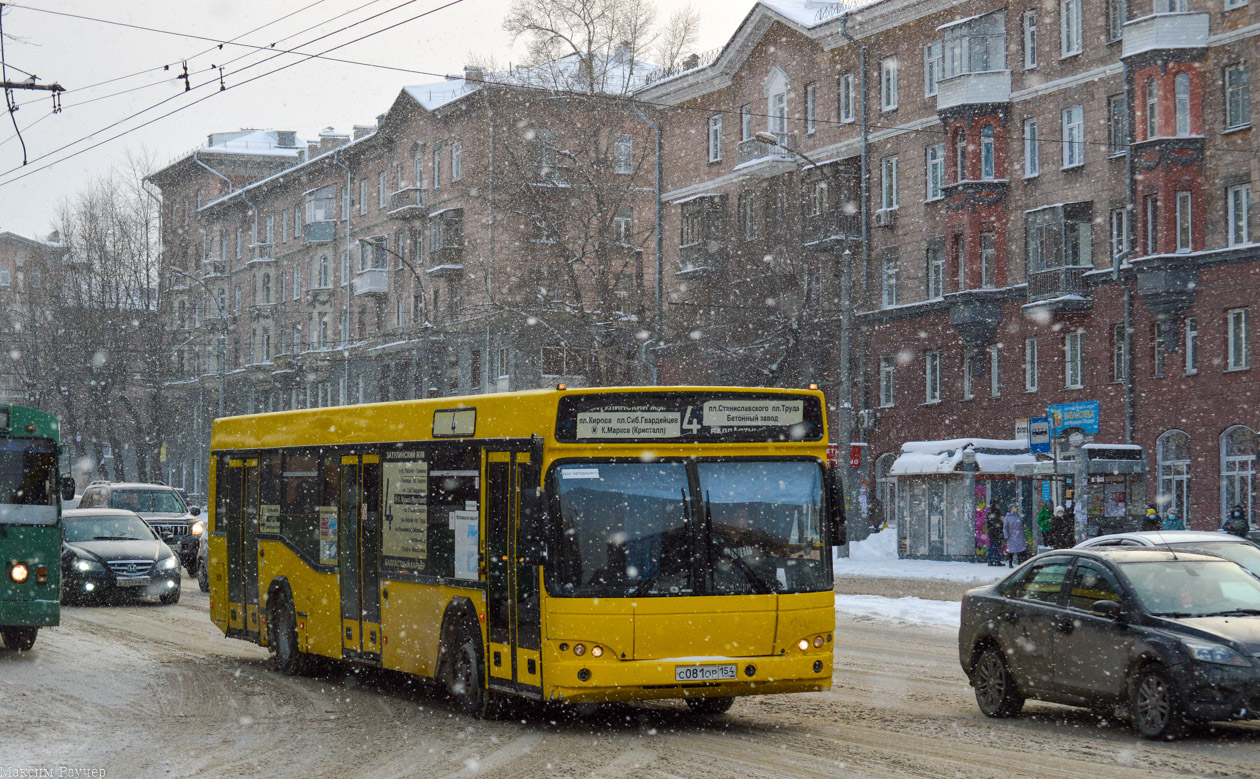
[(222, 330)]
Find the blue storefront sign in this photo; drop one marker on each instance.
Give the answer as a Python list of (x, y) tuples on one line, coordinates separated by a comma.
[(1045, 491), (1083, 415)]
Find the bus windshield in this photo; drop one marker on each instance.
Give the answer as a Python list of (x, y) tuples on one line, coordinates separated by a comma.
[(638, 529), (28, 480)]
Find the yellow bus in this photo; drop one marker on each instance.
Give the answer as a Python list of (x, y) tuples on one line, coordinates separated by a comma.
[(575, 546)]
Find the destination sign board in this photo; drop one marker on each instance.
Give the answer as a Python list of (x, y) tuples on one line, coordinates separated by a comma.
[(689, 416)]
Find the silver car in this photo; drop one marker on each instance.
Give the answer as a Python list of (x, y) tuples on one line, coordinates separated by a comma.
[(1217, 542)]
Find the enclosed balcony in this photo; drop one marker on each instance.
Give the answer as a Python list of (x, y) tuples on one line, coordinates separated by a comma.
[(373, 281), (320, 232), (407, 203), (763, 159), (1159, 32), (985, 88)]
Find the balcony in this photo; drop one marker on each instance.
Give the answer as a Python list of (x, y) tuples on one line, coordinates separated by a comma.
[(407, 203), (698, 259), (765, 159), (319, 232), (1165, 31), (373, 281), (260, 252), (983, 88), (1061, 289), (447, 270), (832, 230)]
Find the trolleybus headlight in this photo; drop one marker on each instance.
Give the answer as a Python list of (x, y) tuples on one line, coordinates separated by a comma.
[(818, 642), (579, 649), (597, 651), (803, 644), (19, 572), (198, 528)]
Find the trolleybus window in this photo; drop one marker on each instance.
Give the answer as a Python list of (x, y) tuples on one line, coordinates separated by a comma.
[(28, 477)]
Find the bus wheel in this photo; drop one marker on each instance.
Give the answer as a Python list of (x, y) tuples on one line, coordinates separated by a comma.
[(282, 638), (466, 680), (19, 639), (710, 707)]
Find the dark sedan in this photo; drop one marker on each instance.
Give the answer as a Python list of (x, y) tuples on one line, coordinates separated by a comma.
[(111, 552), (1173, 637)]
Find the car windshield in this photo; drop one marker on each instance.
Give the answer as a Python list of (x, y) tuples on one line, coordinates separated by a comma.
[(106, 528), (28, 472), (638, 528), (1193, 588), (1245, 554), (147, 501)]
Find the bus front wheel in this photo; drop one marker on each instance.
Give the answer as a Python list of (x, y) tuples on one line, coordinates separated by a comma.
[(19, 639), (466, 676), (282, 627), (710, 707)]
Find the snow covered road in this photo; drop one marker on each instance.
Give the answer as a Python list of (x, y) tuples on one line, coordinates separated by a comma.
[(156, 691)]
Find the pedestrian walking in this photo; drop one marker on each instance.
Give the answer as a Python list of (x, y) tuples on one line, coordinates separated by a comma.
[(1236, 522), (1173, 521), (1016, 542), (1043, 522), (1152, 521), (993, 528), (1061, 531)]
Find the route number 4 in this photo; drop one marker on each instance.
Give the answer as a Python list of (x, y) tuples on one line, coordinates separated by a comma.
[(691, 422)]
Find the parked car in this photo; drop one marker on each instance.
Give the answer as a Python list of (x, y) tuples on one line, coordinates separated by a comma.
[(1218, 542), (110, 552), (1172, 637), (203, 561), (161, 506)]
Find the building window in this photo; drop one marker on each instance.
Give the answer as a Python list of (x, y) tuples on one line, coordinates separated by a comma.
[(960, 155), (932, 377), (1237, 96), (748, 215), (887, 377), (845, 97), (437, 169), (888, 83), (1159, 341), (1181, 105), (1072, 375), (1152, 108), (382, 189), (1030, 364), (1172, 455), (995, 384), (935, 171), (6, 276), (1184, 222), (935, 273), (888, 183), (1119, 231), (1117, 14), (988, 260), (1117, 125), (811, 109), (1239, 348), (889, 275), (715, 138), (960, 252), (1232, 4), (818, 198), (1070, 18), (1030, 40), (623, 229), (1119, 353), (1073, 136), (457, 161), (933, 64), (1192, 346), (1032, 149), (1059, 236), (987, 157), (778, 112), (1237, 214), (1152, 224), (1238, 469), (623, 155), (968, 376), (745, 122)]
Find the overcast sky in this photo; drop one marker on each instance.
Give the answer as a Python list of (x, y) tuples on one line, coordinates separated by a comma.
[(306, 97)]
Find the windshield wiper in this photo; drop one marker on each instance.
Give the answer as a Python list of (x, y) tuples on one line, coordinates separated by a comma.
[(1176, 614), (116, 538), (761, 585), (1234, 613)]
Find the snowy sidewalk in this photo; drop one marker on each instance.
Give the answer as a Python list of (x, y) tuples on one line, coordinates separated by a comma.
[(877, 557), (909, 611)]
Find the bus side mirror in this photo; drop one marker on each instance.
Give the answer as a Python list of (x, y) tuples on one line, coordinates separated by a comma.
[(531, 540), (67, 488), (836, 526)]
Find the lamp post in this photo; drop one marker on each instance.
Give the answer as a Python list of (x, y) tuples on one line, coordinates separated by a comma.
[(222, 331)]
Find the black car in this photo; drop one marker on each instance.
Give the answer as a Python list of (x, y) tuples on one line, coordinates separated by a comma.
[(161, 506), (109, 552), (1173, 637)]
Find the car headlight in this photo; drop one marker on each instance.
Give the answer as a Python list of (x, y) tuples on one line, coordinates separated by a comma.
[(198, 528), (87, 565), (168, 563), (1207, 652)]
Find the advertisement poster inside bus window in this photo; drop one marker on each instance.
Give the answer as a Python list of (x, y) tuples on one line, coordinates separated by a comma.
[(269, 519), (405, 531), (327, 535)]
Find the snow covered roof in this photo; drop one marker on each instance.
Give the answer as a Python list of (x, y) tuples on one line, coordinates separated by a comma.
[(937, 457), (431, 97), (257, 142), (810, 13)]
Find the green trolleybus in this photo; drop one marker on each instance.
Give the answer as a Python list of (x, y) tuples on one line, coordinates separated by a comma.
[(30, 524)]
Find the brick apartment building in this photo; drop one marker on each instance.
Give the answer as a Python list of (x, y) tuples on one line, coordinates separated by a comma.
[(1036, 204), (22, 262)]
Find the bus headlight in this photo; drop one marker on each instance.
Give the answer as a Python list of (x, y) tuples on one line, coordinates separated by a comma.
[(597, 651), (19, 572), (579, 649), (198, 528), (803, 644), (818, 642)]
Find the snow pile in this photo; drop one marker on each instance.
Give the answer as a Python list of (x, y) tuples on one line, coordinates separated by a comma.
[(877, 557), (912, 611), (933, 457)]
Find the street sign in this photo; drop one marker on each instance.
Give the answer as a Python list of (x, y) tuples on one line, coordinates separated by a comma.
[(1039, 435), (1045, 491), (1083, 415), (855, 455), (833, 454)]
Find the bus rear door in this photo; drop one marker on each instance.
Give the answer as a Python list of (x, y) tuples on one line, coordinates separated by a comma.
[(512, 593), (359, 557)]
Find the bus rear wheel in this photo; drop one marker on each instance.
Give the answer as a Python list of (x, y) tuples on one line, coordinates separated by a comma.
[(710, 707), (282, 636), (18, 638)]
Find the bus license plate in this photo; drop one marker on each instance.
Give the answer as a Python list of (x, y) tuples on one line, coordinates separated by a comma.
[(704, 673), (138, 581)]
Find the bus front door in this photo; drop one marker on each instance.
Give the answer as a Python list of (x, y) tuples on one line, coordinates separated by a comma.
[(249, 548), (359, 550), (513, 626)]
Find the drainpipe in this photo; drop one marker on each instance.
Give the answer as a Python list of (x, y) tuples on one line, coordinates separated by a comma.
[(1130, 414), (660, 239), (197, 160), (349, 287)]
